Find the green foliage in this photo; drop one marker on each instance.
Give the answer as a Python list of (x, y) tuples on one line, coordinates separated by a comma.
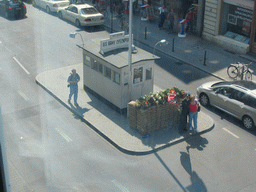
[(158, 98)]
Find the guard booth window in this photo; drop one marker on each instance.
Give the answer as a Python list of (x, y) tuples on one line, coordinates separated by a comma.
[(107, 72), (97, 66), (138, 74), (87, 61), (148, 74)]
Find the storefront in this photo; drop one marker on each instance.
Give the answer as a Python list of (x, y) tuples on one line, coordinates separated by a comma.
[(232, 24)]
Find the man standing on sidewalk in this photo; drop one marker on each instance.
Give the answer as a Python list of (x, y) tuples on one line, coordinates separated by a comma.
[(73, 79), (184, 112)]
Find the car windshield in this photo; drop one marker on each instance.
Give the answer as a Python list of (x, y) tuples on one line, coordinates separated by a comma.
[(89, 11)]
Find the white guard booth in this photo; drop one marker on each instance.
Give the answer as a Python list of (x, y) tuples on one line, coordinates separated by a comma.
[(106, 70)]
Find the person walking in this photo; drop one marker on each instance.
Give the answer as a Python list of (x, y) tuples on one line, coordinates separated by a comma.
[(193, 112), (184, 112), (73, 79), (171, 18), (161, 17)]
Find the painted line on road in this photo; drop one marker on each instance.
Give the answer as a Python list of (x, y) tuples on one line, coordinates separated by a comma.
[(230, 133), (119, 185), (23, 95), (64, 135), (21, 65)]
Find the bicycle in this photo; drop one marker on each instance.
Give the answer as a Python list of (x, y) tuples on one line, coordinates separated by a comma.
[(123, 24), (240, 70)]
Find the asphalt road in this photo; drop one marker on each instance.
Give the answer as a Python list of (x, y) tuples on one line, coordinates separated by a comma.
[(49, 149)]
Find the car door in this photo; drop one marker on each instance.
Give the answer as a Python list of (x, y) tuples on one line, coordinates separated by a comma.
[(73, 14), (236, 104), (44, 3), (221, 96), (66, 12)]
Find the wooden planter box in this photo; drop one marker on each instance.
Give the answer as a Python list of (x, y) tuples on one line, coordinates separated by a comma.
[(153, 118)]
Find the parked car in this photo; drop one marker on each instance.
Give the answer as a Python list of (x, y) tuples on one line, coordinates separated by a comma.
[(81, 15), (237, 98), (50, 5), (13, 8)]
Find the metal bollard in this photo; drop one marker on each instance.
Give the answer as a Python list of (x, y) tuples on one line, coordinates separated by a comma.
[(145, 32), (173, 45), (204, 57)]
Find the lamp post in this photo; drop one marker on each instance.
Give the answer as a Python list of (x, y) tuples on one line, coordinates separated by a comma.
[(163, 41), (73, 35), (130, 51)]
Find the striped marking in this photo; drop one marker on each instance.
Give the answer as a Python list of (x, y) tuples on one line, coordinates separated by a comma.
[(23, 95), (64, 135), (21, 66), (119, 185), (230, 133)]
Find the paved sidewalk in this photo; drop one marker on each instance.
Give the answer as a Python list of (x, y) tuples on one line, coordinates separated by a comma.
[(113, 126), (190, 49)]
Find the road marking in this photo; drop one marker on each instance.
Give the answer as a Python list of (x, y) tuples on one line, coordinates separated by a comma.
[(21, 65), (230, 133), (0, 42), (64, 135), (119, 185), (23, 95)]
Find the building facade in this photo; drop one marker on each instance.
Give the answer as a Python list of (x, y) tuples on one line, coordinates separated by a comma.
[(230, 24)]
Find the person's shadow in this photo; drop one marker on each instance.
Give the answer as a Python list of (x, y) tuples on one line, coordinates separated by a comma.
[(196, 142), (78, 112)]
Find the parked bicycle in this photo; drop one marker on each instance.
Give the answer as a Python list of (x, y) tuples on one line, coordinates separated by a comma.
[(240, 70)]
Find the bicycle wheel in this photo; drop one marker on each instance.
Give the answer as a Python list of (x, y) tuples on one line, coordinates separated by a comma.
[(232, 71), (248, 75)]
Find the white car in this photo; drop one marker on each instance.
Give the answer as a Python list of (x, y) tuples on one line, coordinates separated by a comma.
[(81, 15), (51, 5), (237, 98)]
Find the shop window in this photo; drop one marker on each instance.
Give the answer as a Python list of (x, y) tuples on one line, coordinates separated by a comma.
[(117, 77), (148, 74), (138, 75), (97, 66), (107, 72), (87, 61), (236, 22)]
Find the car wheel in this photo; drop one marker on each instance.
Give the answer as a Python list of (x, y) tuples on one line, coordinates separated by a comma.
[(204, 99), (60, 15), (248, 122), (48, 9), (78, 23)]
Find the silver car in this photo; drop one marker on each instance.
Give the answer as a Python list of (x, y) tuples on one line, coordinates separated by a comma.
[(237, 98)]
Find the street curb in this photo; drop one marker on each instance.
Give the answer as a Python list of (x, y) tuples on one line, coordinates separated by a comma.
[(175, 57), (129, 152)]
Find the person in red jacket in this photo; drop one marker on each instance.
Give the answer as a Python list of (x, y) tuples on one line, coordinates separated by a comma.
[(189, 18), (193, 112)]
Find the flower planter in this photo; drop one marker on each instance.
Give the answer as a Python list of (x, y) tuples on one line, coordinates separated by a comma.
[(153, 118)]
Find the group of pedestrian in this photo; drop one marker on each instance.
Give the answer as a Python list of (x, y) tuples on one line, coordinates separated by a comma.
[(172, 16), (189, 108)]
